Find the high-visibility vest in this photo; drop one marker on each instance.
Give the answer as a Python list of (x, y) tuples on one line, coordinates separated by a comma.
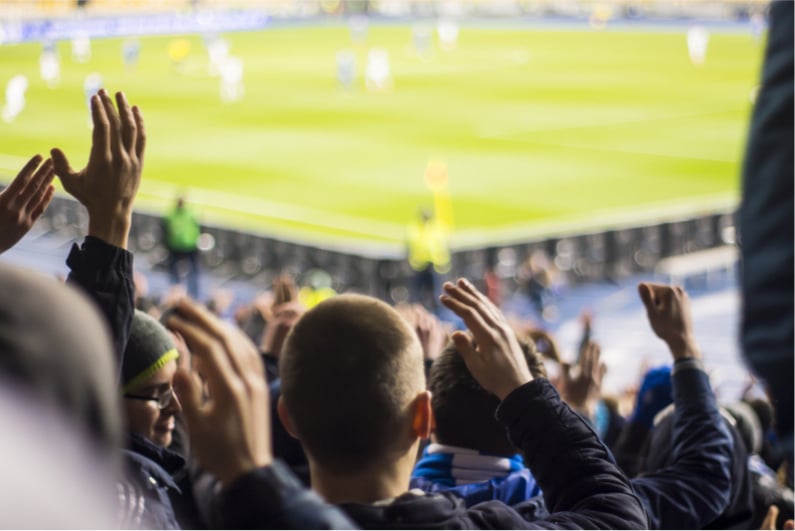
[(427, 245), (182, 230)]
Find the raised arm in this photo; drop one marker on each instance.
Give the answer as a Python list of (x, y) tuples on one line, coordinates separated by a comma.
[(106, 187), (695, 488), (582, 487), (229, 429)]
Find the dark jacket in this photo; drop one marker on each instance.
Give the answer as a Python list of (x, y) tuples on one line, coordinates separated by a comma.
[(150, 485), (273, 498), (105, 274), (766, 228), (581, 484), (690, 487)]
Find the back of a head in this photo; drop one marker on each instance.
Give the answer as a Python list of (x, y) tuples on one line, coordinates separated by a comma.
[(463, 410), (54, 343), (350, 370)]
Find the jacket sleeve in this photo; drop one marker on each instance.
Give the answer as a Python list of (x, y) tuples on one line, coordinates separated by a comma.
[(695, 488), (272, 498), (105, 273), (583, 488), (765, 224)]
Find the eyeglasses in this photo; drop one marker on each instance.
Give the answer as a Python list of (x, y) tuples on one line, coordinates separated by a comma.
[(163, 401)]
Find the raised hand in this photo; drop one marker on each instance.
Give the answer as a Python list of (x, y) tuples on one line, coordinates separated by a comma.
[(668, 310), (230, 427), (428, 328), (284, 317), (24, 200), (582, 388), (492, 352), (109, 182)]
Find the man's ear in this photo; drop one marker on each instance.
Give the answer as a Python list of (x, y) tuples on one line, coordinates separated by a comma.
[(284, 416), (422, 415)]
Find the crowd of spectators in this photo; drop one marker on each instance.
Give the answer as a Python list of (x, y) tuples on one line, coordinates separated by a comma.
[(353, 413)]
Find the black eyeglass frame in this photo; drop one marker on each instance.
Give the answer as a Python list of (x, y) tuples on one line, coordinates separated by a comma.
[(163, 401)]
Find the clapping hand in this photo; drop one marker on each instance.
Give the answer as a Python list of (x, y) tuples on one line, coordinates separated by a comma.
[(229, 427), (24, 200), (108, 184)]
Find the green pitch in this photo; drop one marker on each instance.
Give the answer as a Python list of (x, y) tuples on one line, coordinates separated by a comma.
[(540, 129)]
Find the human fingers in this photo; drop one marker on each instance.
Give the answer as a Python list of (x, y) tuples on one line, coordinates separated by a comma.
[(470, 315), (465, 345), (43, 202), (587, 360), (189, 393), (467, 299), (129, 135), (24, 175), (770, 518), (100, 139), (140, 141), (487, 305), (240, 353), (36, 187), (114, 124), (645, 292), (216, 366)]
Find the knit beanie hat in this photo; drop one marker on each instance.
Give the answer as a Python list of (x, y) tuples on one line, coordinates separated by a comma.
[(149, 348)]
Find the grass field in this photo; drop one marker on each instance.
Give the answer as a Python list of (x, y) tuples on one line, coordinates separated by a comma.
[(538, 128)]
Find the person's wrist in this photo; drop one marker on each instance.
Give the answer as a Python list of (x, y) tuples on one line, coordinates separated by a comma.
[(509, 387), (684, 347), (112, 228)]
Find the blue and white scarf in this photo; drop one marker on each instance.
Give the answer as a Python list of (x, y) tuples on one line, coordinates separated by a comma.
[(451, 465), (474, 476)]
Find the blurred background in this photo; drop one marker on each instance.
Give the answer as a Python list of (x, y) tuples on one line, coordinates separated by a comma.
[(575, 147)]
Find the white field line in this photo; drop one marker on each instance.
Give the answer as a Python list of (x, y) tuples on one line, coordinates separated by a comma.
[(385, 239)]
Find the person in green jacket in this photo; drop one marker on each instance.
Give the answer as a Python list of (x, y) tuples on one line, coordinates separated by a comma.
[(181, 231)]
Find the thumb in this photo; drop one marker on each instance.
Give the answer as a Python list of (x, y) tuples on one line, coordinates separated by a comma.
[(464, 344), (189, 395), (62, 167), (644, 290), (565, 371)]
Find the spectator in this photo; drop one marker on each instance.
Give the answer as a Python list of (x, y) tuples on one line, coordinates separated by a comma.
[(429, 254), (181, 231), (362, 444), (150, 408), (470, 454), (66, 357)]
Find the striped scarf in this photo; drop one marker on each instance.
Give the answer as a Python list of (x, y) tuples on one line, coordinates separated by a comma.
[(451, 465)]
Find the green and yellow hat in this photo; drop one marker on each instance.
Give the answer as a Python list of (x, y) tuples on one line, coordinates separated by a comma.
[(149, 348)]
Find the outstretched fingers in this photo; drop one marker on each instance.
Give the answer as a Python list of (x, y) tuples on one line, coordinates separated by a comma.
[(43, 202), (100, 141), (35, 189), (140, 140), (129, 133), (462, 298), (114, 125), (24, 175), (219, 371)]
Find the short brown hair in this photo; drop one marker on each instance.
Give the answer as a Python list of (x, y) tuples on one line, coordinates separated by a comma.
[(463, 410), (350, 370)]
